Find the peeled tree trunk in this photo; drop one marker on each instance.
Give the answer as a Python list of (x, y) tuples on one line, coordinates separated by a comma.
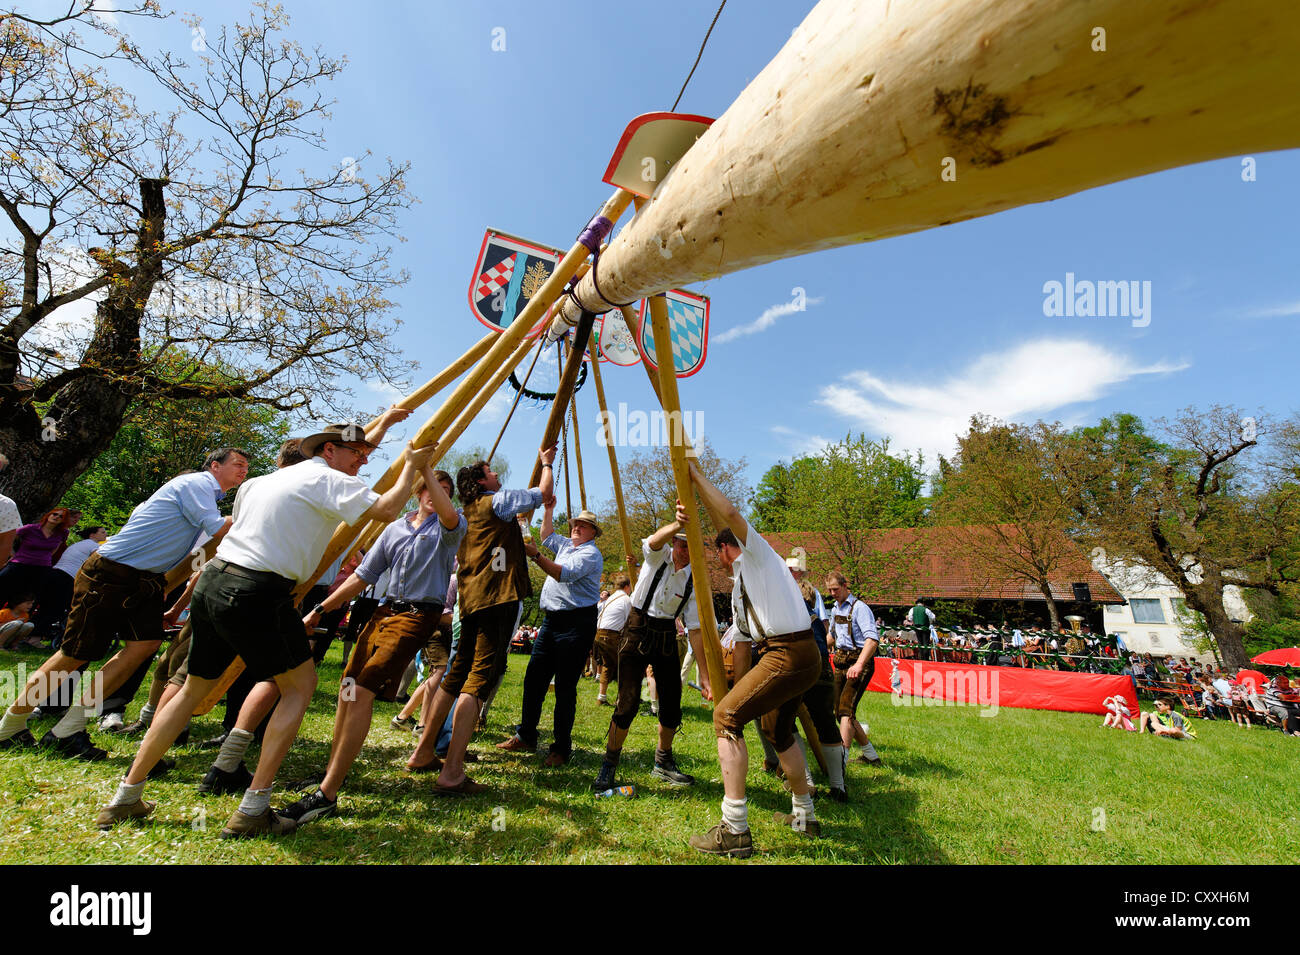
[(882, 117), (48, 452)]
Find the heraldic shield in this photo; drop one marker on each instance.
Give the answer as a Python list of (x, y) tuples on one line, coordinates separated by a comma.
[(509, 272)]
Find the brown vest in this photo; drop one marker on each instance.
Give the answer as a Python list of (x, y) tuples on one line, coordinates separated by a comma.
[(480, 584)]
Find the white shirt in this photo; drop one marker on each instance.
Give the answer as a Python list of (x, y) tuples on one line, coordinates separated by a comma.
[(671, 586), (286, 518), (76, 555), (774, 595), (613, 616), (9, 519)]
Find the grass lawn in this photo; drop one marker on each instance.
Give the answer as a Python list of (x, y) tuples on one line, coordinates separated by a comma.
[(1020, 787)]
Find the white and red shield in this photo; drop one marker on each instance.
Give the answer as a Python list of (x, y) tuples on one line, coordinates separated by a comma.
[(509, 272)]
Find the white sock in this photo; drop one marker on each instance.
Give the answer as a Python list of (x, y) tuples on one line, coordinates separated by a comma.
[(146, 714), (11, 724), (127, 793), (735, 814), (802, 807), (256, 801), (73, 722), (834, 764), (233, 749)]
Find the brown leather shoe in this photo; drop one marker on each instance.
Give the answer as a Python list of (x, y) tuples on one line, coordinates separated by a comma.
[(110, 816), (555, 759), (516, 745), (810, 828)]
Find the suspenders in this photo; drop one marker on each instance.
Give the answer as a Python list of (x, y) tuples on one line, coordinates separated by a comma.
[(654, 588)]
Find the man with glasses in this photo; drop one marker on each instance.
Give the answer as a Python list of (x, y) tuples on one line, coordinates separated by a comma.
[(243, 607)]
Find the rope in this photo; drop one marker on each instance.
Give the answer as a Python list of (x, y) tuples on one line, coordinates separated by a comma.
[(698, 56), (514, 404)]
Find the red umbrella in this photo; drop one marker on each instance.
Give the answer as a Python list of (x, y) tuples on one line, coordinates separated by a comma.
[(1285, 657)]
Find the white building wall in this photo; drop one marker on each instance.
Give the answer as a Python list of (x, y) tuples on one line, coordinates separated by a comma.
[(1168, 638)]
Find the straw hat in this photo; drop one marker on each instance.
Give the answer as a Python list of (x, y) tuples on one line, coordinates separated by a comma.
[(342, 432)]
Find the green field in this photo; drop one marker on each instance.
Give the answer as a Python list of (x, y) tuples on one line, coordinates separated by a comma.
[(1020, 787)]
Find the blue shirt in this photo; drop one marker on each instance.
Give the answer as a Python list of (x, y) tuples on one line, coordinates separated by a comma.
[(161, 532), (853, 624), (507, 503), (419, 560), (580, 570)]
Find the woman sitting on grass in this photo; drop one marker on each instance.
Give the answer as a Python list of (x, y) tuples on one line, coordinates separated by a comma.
[(1165, 721)]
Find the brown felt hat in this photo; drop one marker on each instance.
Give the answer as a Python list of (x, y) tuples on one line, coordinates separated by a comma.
[(591, 519), (342, 432)]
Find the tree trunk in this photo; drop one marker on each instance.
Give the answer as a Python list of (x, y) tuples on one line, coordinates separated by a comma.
[(1208, 600), (46, 456), (1053, 614)]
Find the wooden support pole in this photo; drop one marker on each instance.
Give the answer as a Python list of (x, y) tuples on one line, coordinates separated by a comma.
[(501, 348), (560, 406), (671, 403), (577, 451), (628, 552)]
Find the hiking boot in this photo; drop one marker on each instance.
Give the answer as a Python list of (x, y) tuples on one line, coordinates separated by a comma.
[(667, 771), (110, 816), (721, 841), (869, 755), (220, 782), (309, 808), (809, 828), (605, 778), (76, 746), (243, 826), (23, 739)]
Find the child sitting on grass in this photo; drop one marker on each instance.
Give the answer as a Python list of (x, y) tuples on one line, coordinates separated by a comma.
[(1165, 721), (1118, 715), (14, 628)]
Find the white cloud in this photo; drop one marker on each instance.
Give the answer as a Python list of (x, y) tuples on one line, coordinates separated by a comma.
[(765, 321), (1280, 311), (800, 442), (104, 10), (1030, 381)]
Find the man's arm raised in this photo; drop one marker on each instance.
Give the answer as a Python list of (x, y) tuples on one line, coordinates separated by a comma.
[(442, 505), (721, 511), (389, 506)]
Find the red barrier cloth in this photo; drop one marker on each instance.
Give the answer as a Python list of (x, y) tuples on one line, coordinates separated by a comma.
[(975, 685)]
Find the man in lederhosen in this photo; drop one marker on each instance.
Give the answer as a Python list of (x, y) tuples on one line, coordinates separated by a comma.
[(417, 552), (767, 605), (609, 632), (664, 592), (854, 634), (492, 578), (119, 590), (243, 607)]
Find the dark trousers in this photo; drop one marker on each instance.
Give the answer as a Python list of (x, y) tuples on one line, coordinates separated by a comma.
[(52, 606), (560, 651), (650, 642)]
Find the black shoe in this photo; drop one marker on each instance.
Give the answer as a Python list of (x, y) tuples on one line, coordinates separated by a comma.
[(184, 738), (219, 782), (839, 795), (76, 746), (308, 808), (666, 770), (214, 743), (605, 778), (162, 768), (307, 782), (23, 739)]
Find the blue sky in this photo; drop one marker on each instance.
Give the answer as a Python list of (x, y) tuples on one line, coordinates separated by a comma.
[(906, 337)]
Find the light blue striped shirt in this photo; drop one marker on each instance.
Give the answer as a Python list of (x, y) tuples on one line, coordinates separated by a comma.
[(580, 569), (162, 531), (419, 560), (853, 624), (507, 503)]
